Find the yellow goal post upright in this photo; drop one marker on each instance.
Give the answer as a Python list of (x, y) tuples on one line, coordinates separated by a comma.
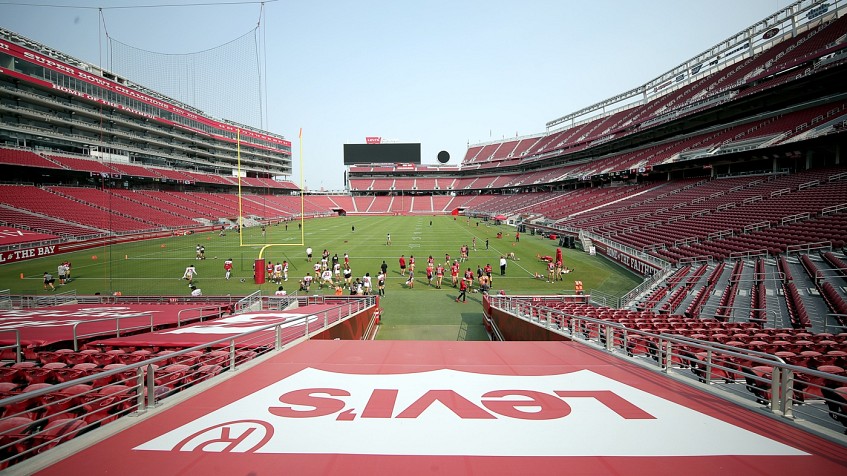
[(259, 263)]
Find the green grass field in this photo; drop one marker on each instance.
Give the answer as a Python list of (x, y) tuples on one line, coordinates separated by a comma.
[(155, 267)]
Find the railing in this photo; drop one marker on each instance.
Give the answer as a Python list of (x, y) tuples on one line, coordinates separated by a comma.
[(795, 218), (116, 332), (16, 347), (5, 299), (102, 397), (735, 255), (57, 299), (834, 209), (757, 226), (646, 285), (759, 379), (697, 259), (808, 247), (250, 302), (202, 313), (603, 299), (834, 328)]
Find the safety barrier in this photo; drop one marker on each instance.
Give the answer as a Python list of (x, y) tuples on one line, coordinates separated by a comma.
[(43, 415), (814, 398)]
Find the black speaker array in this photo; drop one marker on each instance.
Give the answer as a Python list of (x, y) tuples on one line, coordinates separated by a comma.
[(567, 241)]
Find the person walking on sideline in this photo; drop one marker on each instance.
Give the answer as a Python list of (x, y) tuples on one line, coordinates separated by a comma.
[(463, 287)]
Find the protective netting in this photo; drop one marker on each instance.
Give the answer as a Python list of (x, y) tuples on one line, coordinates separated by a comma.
[(224, 81)]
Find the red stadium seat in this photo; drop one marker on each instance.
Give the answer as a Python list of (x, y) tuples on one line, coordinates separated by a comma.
[(206, 371), (108, 403), (55, 432), (172, 376), (15, 433)]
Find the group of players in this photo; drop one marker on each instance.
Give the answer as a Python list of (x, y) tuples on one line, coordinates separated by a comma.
[(556, 270), (64, 273), (335, 273), (437, 272)]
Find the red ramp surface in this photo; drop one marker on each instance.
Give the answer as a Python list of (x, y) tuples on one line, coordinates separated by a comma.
[(390, 407), (11, 236), (230, 326), (50, 325)]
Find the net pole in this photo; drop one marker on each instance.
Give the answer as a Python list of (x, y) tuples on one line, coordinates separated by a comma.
[(240, 215), (302, 196)]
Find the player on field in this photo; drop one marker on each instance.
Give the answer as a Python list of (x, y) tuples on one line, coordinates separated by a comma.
[(463, 287), (306, 282), (366, 283), (326, 278), (228, 268), (61, 272), (49, 280), (468, 278), (277, 273), (348, 275), (190, 273), (380, 282)]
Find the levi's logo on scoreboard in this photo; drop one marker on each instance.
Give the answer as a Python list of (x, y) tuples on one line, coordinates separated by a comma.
[(450, 412)]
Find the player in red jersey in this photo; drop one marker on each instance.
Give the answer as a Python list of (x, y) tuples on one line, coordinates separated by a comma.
[(228, 268), (439, 276), (454, 273)]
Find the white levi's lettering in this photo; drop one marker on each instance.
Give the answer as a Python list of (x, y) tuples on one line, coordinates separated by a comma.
[(449, 412)]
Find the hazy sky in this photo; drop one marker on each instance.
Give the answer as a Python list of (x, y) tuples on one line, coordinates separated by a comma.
[(443, 73)]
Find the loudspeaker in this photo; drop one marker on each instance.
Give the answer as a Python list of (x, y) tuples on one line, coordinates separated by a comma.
[(443, 156)]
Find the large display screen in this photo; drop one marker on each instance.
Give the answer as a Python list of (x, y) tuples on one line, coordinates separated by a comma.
[(355, 154)]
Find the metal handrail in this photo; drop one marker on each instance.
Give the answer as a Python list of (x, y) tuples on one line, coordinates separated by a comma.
[(220, 311), (117, 331), (17, 345), (614, 337), (225, 342)]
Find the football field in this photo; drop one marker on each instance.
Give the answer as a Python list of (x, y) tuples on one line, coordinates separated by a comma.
[(156, 267)]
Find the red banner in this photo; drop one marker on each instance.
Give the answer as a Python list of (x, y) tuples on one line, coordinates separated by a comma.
[(27, 253), (373, 140)]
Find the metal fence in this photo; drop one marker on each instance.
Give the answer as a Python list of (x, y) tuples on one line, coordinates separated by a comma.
[(814, 399), (44, 415)]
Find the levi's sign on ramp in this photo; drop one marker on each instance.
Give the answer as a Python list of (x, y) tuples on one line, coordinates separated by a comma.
[(449, 412), (453, 408)]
